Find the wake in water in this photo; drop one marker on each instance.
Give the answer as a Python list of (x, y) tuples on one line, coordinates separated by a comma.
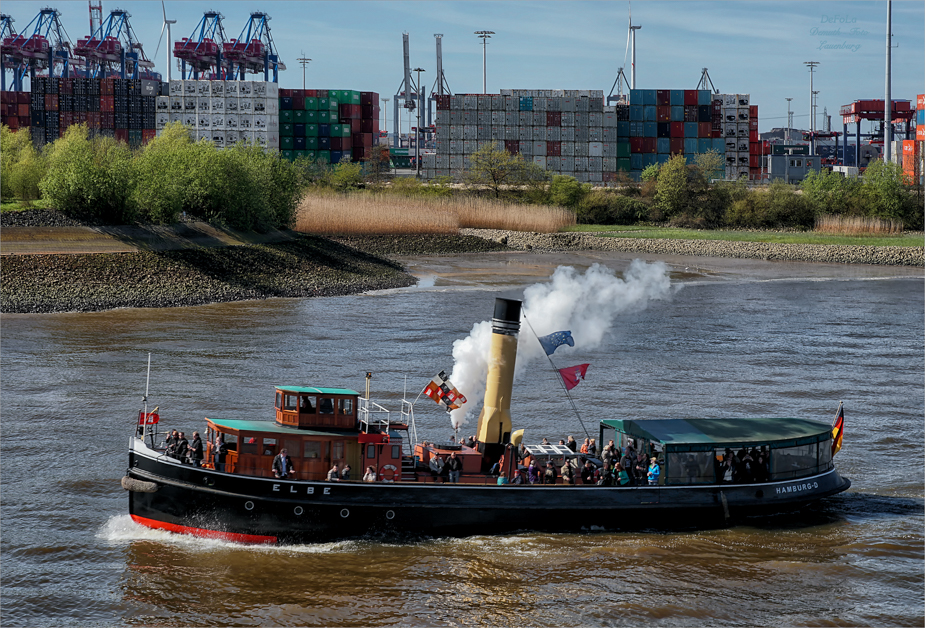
[(585, 304)]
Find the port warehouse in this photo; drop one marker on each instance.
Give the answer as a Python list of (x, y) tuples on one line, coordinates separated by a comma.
[(568, 132)]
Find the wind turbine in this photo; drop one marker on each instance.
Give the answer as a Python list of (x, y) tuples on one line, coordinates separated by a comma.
[(166, 25)]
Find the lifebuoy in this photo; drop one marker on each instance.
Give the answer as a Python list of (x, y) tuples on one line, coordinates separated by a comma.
[(392, 469)]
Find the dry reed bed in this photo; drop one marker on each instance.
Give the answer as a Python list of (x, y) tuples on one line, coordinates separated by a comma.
[(857, 225), (390, 214)]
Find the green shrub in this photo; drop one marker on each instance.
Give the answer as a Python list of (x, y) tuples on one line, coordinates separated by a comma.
[(650, 173), (13, 145), (26, 174), (566, 191), (602, 207), (346, 175), (673, 190), (162, 171)]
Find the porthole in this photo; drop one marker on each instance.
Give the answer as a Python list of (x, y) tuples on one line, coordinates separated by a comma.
[(298, 510), (390, 514), (344, 513), (249, 505)]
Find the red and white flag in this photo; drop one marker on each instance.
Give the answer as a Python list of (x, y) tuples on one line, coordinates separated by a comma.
[(573, 374), (443, 392)]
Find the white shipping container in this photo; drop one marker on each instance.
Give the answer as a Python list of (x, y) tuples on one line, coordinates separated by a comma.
[(271, 105), (176, 104), (743, 115), (246, 89), (540, 160), (190, 119), (231, 90), (189, 104), (246, 106), (218, 121), (553, 163), (567, 133), (609, 164), (568, 118), (245, 122), (553, 133), (231, 122), (729, 130), (581, 149), (539, 134), (497, 132), (595, 164), (742, 129), (218, 105), (525, 133), (175, 87), (609, 149), (567, 149), (470, 146), (162, 104), (539, 148), (272, 124), (511, 132), (742, 100), (609, 120), (204, 121), (203, 103), (231, 104), (161, 120), (595, 149), (260, 122)]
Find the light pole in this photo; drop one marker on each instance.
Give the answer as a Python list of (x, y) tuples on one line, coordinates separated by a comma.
[(812, 122), (385, 109), (417, 133), (304, 61), (789, 118), (484, 36)]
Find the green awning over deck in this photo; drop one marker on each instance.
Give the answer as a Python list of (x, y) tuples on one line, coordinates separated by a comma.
[(318, 391), (720, 432), (271, 427)]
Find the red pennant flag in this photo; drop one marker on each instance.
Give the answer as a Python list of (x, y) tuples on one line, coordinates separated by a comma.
[(573, 374)]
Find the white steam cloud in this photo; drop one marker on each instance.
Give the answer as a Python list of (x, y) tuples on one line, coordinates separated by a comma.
[(586, 304)]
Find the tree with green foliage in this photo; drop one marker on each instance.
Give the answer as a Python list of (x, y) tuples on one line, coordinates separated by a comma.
[(710, 165), (162, 173), (885, 194), (346, 175), (827, 192), (90, 179), (566, 191), (22, 167), (672, 196), (494, 168), (650, 173)]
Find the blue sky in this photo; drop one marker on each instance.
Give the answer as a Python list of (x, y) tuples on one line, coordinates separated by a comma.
[(749, 47)]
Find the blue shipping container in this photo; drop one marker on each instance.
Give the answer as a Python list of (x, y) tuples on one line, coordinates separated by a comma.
[(662, 158), (623, 128), (663, 145), (677, 113), (690, 145), (324, 143), (704, 97), (649, 113), (635, 97), (637, 129), (324, 130), (677, 97), (649, 159), (704, 144), (636, 161), (636, 113), (650, 129), (719, 145), (526, 103), (336, 156), (690, 129), (648, 97)]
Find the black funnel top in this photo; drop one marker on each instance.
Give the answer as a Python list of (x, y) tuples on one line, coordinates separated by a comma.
[(507, 317)]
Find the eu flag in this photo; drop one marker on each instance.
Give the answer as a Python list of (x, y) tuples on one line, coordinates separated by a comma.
[(554, 340)]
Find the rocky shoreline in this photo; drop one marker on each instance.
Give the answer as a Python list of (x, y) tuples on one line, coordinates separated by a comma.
[(310, 266)]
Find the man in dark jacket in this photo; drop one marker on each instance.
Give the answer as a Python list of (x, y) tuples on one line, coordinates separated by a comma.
[(550, 475), (587, 473), (628, 462), (182, 448), (453, 467), (195, 450), (282, 465)]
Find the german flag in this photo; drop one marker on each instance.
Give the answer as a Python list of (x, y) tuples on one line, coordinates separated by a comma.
[(838, 429)]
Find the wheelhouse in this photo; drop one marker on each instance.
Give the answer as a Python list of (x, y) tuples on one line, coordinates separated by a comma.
[(690, 450)]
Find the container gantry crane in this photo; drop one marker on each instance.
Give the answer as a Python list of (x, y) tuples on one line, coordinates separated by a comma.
[(253, 51), (44, 48), (113, 49), (203, 50), (7, 38)]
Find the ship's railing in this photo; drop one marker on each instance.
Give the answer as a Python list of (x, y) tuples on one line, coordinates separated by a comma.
[(407, 417), (371, 414)]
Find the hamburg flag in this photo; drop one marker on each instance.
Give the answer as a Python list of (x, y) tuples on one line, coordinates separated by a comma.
[(838, 429), (573, 374), (555, 340), (442, 391), (151, 418)]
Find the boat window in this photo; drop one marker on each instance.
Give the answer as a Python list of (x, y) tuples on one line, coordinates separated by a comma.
[(793, 462), (312, 449), (269, 446), (292, 446), (279, 399), (825, 455), (370, 451), (338, 450), (249, 445), (307, 404), (291, 401), (231, 442), (396, 452), (689, 467), (345, 406), (327, 406)]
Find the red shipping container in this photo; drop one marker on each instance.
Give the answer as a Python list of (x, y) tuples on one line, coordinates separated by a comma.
[(107, 103), (107, 87), (356, 126), (663, 98), (920, 101), (754, 161), (753, 136), (663, 114), (677, 145), (93, 119), (147, 135), (704, 129), (23, 98), (512, 146), (12, 123), (754, 148), (717, 133), (649, 145), (350, 112), (362, 140), (67, 118), (553, 118), (107, 120), (691, 97), (753, 111), (553, 149), (51, 102), (370, 112), (5, 97), (676, 130), (636, 144), (22, 110), (340, 143), (298, 102), (443, 101), (122, 135), (370, 126)]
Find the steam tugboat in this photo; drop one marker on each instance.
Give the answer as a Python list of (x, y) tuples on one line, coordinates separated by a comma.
[(236, 496)]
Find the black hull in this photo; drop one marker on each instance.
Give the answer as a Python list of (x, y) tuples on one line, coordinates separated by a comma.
[(204, 502)]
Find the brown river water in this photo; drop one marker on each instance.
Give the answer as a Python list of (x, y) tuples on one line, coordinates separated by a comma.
[(733, 338)]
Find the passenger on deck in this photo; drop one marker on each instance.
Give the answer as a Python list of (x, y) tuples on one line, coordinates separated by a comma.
[(471, 442), (370, 475), (518, 477), (550, 475), (345, 472), (221, 450), (182, 448), (436, 467), (587, 473), (571, 444), (691, 468), (562, 442), (532, 473), (641, 468), (592, 448), (628, 462), (623, 478), (763, 460), (195, 450), (334, 473), (608, 455), (653, 472), (584, 446), (568, 474), (454, 467), (282, 465), (170, 443), (496, 468), (545, 441)]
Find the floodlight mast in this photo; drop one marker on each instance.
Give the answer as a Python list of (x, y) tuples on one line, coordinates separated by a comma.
[(812, 122), (484, 36)]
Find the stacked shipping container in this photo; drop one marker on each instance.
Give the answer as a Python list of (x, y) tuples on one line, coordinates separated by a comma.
[(328, 125), (120, 108), (224, 112), (572, 132), (14, 110)]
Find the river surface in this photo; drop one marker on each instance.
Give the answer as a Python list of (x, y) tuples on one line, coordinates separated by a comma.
[(734, 338)]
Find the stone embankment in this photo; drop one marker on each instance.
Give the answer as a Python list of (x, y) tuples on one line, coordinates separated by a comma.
[(882, 255)]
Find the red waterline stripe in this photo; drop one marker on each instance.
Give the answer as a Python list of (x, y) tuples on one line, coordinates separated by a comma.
[(211, 534)]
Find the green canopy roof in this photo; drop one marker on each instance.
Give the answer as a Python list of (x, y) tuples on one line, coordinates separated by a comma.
[(720, 431), (241, 425), (318, 391)]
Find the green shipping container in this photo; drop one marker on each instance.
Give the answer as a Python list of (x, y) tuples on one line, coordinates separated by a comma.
[(286, 130), (311, 143), (311, 130), (311, 117), (298, 116), (287, 155), (348, 97), (301, 153), (333, 117), (324, 104), (323, 156), (333, 104), (623, 163), (285, 142), (340, 130), (333, 94), (285, 116), (623, 150), (311, 104)]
